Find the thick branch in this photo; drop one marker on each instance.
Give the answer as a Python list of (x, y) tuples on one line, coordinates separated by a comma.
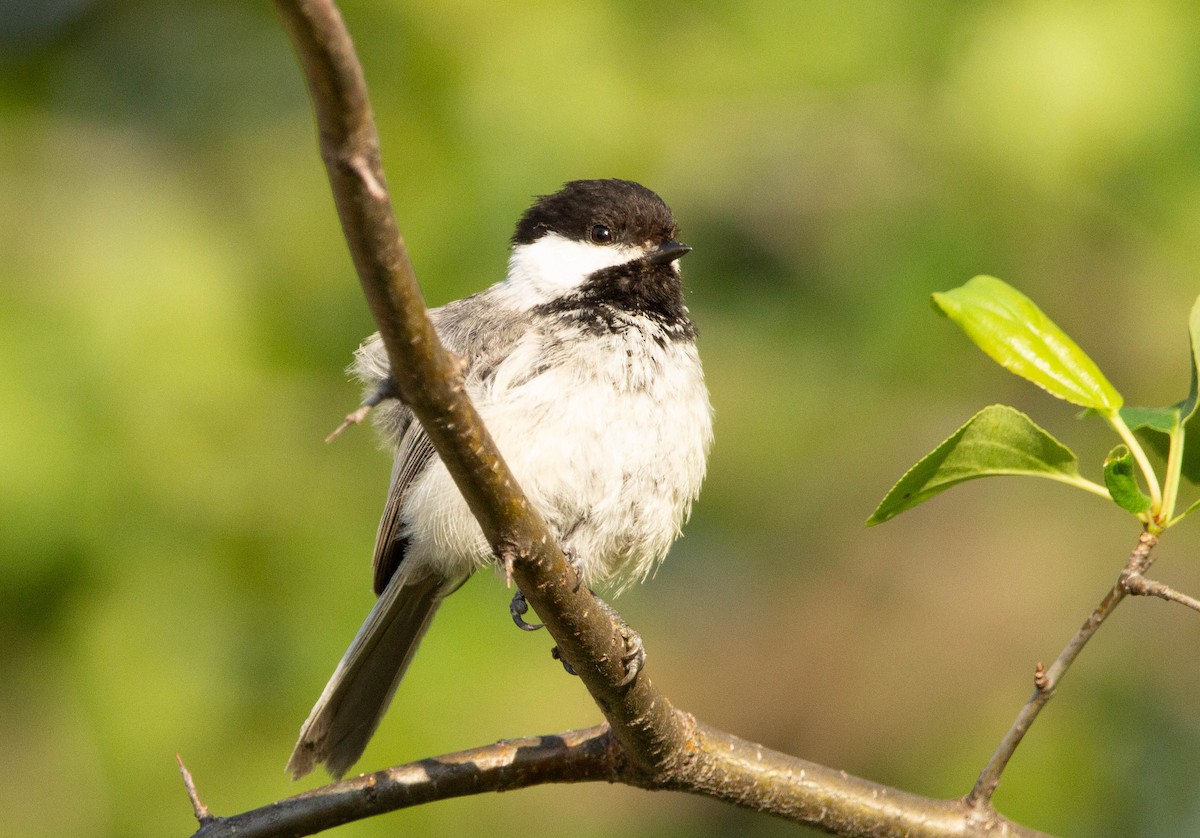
[(736, 771), (651, 744)]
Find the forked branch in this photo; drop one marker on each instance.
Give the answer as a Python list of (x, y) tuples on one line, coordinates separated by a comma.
[(730, 769)]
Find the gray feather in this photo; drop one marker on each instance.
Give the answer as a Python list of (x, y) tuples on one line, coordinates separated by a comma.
[(362, 686), (412, 457)]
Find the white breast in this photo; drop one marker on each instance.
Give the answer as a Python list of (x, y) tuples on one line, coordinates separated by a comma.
[(608, 435)]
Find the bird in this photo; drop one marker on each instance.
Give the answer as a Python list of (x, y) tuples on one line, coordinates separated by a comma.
[(582, 363)]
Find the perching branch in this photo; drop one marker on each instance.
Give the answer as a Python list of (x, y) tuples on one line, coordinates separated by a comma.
[(1046, 680), (647, 742), (576, 756), (747, 775)]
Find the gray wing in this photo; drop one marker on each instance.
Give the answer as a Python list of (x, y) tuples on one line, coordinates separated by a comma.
[(480, 331), (413, 455)]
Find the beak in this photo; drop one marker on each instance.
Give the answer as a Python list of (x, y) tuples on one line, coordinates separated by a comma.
[(667, 252)]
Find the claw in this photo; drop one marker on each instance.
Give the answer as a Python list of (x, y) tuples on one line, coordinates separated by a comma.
[(557, 655), (575, 563), (633, 659), (635, 651), (635, 655), (518, 608)]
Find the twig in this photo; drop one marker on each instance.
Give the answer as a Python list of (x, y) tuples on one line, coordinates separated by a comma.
[(1138, 585), (354, 417), (1047, 680), (373, 400), (201, 811)]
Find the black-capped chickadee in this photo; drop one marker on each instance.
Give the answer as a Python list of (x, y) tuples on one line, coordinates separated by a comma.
[(583, 365)]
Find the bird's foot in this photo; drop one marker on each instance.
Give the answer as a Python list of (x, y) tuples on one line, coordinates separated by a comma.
[(518, 608), (634, 656), (575, 563)]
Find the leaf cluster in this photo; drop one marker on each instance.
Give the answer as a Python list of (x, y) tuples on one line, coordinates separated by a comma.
[(1000, 440)]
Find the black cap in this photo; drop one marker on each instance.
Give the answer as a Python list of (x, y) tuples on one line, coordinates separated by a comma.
[(607, 211)]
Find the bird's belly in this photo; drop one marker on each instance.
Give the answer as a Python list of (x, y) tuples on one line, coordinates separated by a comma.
[(611, 452)]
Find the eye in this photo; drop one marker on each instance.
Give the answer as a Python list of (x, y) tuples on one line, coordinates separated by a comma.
[(601, 234)]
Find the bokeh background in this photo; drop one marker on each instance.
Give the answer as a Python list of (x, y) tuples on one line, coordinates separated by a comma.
[(182, 560)]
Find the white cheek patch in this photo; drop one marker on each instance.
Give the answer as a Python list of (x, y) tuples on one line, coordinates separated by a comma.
[(553, 265)]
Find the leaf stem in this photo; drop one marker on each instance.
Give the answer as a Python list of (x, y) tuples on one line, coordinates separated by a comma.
[(1174, 469), (1139, 585), (1081, 482)]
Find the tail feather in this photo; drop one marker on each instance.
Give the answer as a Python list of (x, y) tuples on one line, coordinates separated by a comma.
[(361, 688)]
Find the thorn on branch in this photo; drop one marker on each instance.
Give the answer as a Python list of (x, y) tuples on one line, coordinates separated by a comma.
[(361, 166), (201, 811), (507, 558)]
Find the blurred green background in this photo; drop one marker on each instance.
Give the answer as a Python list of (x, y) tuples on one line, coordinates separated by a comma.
[(182, 560)]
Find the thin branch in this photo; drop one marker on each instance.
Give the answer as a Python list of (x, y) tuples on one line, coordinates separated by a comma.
[(1047, 680), (372, 401), (648, 743), (1138, 585), (731, 769)]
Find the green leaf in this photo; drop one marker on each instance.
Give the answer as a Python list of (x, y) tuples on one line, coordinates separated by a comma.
[(1121, 483), (998, 440), (1161, 419), (1010, 328)]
